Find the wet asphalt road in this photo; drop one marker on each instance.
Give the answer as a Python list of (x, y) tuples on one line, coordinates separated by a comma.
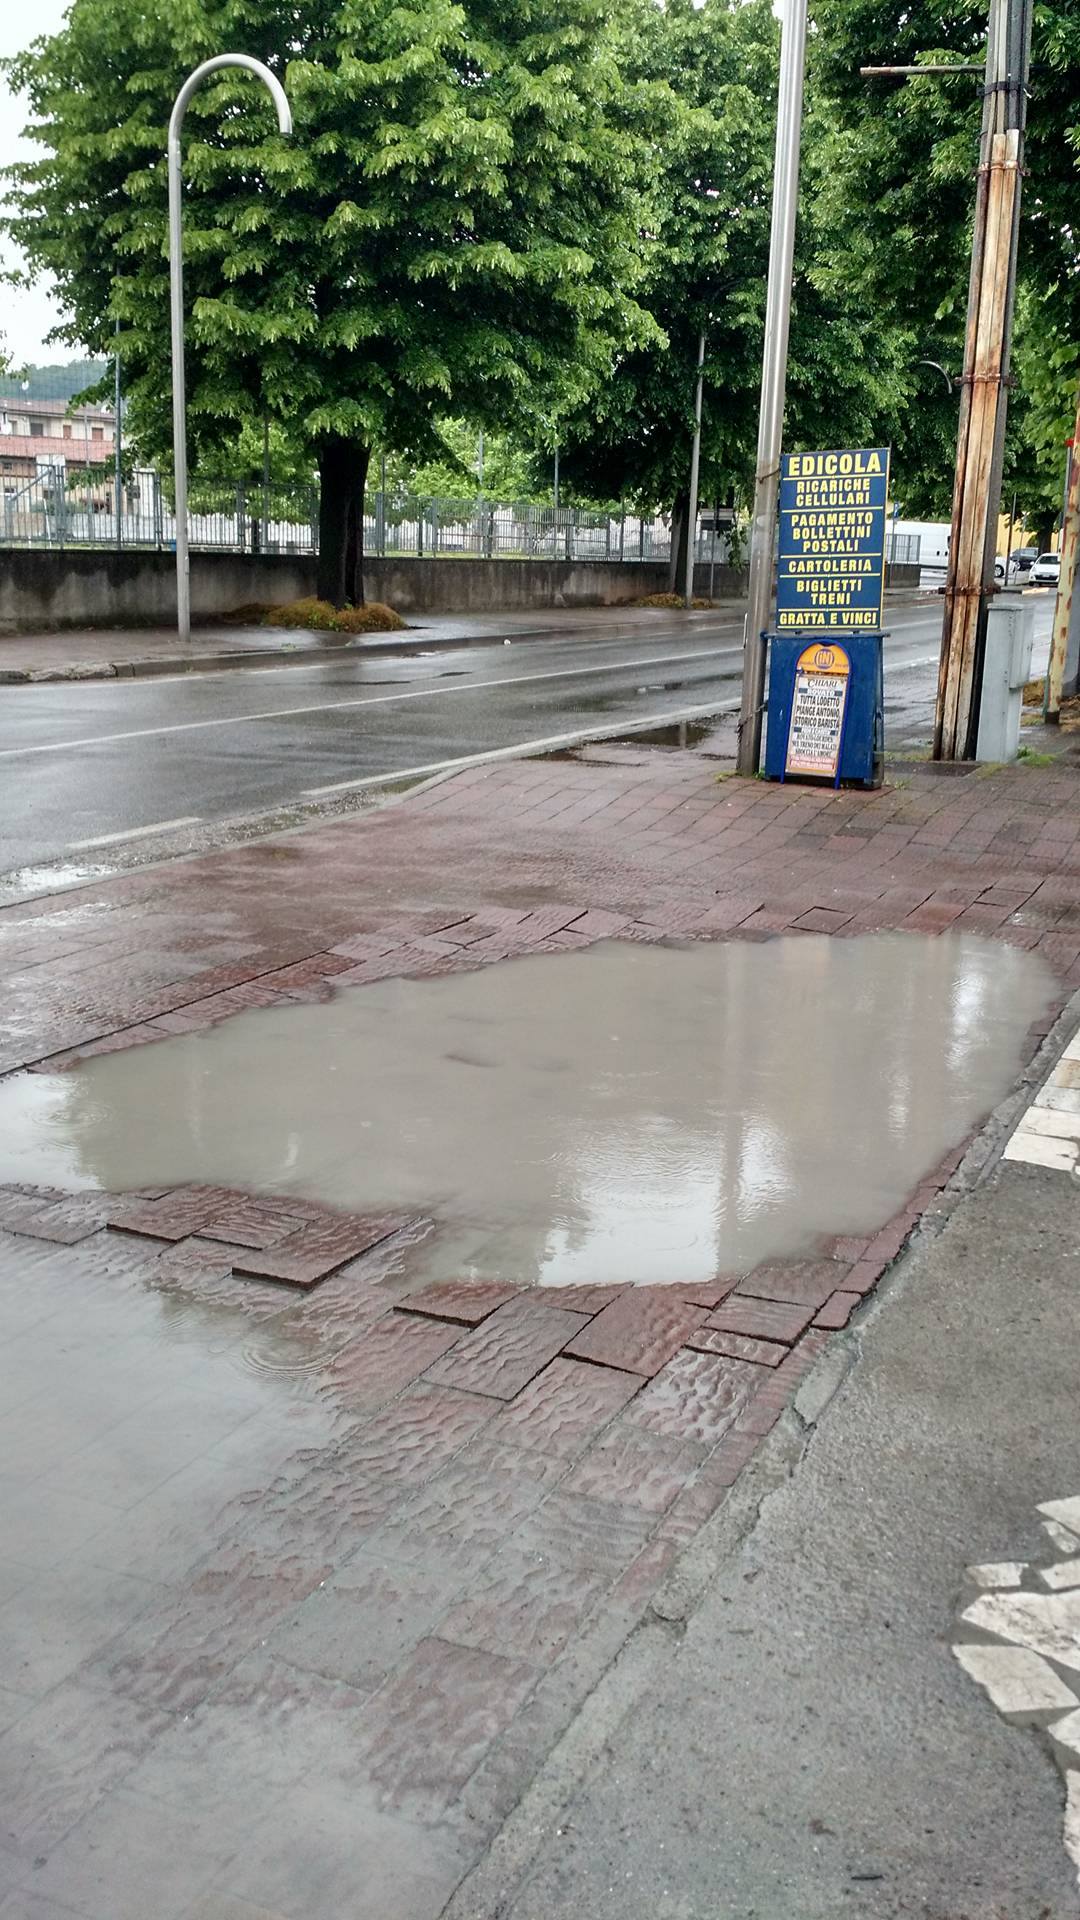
[(86, 767)]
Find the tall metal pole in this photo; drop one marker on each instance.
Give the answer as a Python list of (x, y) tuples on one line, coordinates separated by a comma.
[(556, 487), (118, 497), (695, 465), (176, 297), (773, 379)]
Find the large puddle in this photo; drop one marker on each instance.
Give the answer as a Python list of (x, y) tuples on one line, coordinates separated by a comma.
[(651, 1114)]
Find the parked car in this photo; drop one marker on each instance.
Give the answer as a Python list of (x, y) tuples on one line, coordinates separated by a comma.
[(1021, 563), (1046, 570)]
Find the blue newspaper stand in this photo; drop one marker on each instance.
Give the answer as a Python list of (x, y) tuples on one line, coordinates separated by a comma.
[(826, 708), (826, 702)]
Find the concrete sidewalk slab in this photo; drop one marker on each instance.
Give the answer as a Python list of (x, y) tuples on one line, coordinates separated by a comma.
[(330, 1572), (812, 1747)]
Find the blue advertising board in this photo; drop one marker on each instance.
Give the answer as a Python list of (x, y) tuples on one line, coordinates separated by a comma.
[(832, 540)]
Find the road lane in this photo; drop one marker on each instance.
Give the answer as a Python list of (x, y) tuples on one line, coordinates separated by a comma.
[(91, 764)]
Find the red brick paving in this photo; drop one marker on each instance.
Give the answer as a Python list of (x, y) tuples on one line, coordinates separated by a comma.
[(510, 1348), (468, 1301), (639, 1331), (317, 1247), (513, 1473)]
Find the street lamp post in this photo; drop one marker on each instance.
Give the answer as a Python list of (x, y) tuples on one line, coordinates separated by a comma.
[(176, 298), (773, 380)]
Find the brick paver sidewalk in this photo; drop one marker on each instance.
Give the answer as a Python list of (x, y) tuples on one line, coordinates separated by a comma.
[(372, 1544)]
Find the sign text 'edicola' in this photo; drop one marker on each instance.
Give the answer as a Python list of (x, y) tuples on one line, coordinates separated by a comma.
[(832, 540)]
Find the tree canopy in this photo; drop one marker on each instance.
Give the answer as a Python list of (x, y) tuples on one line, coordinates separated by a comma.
[(456, 218), (902, 157)]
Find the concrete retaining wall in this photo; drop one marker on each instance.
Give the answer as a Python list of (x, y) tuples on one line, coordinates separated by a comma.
[(99, 588), (95, 587)]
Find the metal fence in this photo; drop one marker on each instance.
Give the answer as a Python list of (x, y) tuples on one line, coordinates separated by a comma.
[(58, 509), (902, 549)]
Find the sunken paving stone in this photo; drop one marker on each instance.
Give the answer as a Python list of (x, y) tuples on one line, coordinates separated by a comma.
[(467, 1301), (524, 1604), (508, 1349), (761, 1319), (738, 1346), (362, 1622), (636, 1469), (563, 1409), (429, 1728), (697, 1396), (806, 1283), (639, 1331), (177, 1214), (251, 1222), (837, 1310), (381, 1360), (319, 1247)]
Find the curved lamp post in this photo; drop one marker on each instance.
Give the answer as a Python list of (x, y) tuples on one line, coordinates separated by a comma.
[(176, 298)]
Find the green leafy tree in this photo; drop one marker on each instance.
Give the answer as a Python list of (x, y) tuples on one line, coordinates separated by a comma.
[(902, 158), (704, 77), (708, 73), (453, 225)]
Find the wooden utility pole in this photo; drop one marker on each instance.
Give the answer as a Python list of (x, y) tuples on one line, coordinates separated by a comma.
[(981, 431)]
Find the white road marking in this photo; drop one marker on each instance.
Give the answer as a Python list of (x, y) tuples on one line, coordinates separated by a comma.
[(1065, 1511), (1064, 1573), (1016, 1680), (998, 1573), (372, 700), (1048, 1134), (1032, 1631), (133, 833), (523, 748)]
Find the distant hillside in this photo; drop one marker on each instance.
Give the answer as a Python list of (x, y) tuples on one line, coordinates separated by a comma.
[(60, 382)]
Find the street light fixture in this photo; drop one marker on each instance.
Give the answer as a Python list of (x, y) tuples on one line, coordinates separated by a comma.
[(176, 298)]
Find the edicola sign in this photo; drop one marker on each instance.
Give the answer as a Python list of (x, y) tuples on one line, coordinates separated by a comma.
[(832, 540)]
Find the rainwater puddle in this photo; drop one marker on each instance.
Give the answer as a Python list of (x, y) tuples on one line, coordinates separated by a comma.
[(652, 1114)]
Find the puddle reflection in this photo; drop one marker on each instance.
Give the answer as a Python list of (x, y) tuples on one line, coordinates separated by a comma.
[(634, 1113)]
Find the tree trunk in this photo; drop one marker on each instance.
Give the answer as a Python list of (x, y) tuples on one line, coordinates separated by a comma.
[(680, 515), (343, 467), (1044, 530)]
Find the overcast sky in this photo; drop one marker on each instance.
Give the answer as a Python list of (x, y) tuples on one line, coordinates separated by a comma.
[(25, 315)]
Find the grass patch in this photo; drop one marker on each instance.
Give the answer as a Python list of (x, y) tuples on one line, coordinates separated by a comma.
[(1031, 759), (670, 600), (318, 616)]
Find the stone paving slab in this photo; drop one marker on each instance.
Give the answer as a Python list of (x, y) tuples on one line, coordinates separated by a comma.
[(379, 1541)]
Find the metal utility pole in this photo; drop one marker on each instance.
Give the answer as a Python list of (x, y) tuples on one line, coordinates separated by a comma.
[(555, 489), (176, 297), (695, 465), (1063, 606), (118, 496), (980, 439), (773, 379)]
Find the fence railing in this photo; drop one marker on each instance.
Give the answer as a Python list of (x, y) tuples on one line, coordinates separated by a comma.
[(77, 508), (52, 510), (902, 549)]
